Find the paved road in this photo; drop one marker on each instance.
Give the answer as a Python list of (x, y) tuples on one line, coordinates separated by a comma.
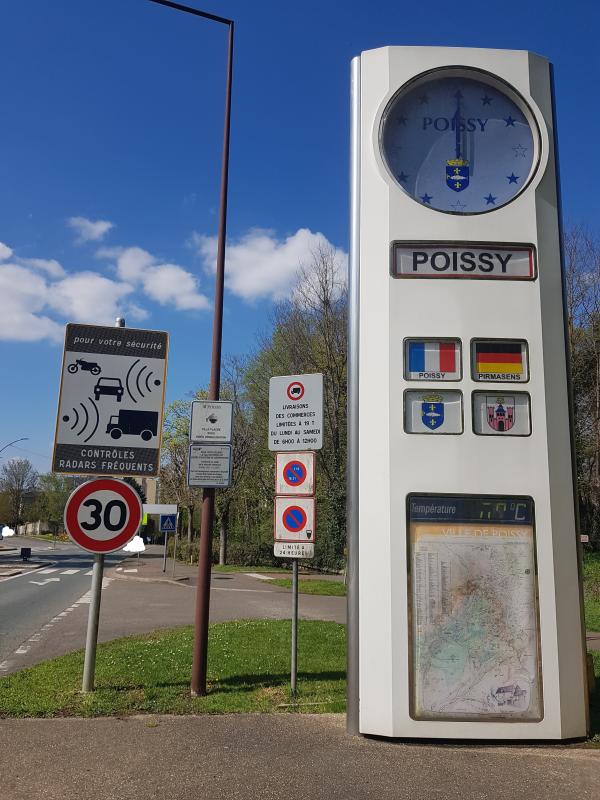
[(269, 756), (133, 601), (34, 598)]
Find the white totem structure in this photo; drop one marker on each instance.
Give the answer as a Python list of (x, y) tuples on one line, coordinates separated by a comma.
[(465, 616)]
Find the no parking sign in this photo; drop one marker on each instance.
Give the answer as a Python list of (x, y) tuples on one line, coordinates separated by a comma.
[(295, 474), (294, 527)]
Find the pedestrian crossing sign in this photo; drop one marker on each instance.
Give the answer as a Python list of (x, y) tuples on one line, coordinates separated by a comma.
[(168, 523)]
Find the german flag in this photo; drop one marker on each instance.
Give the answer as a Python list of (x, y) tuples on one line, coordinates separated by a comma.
[(499, 357)]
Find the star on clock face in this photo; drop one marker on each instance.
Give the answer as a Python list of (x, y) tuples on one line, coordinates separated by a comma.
[(450, 140)]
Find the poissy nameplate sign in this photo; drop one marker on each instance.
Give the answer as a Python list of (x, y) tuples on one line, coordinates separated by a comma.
[(456, 260)]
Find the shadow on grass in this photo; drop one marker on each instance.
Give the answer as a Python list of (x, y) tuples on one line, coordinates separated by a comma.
[(234, 683)]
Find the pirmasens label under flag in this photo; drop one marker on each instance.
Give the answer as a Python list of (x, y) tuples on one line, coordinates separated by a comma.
[(498, 360), (441, 260), (430, 360)]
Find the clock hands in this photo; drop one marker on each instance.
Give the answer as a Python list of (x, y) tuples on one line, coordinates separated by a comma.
[(457, 168), (458, 96)]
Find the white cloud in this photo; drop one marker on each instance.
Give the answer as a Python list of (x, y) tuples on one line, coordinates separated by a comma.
[(22, 297), (88, 297), (89, 230), (259, 265), (48, 265), (167, 284), (5, 251)]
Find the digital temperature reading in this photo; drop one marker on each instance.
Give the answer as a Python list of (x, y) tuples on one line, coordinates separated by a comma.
[(482, 508)]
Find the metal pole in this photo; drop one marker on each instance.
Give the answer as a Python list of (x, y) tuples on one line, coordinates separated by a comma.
[(352, 484), (91, 640), (294, 676), (200, 648), (165, 552), (174, 552)]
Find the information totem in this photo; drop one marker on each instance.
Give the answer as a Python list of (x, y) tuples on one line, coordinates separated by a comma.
[(465, 608)]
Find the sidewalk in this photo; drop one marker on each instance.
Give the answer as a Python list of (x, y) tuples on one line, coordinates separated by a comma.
[(267, 757)]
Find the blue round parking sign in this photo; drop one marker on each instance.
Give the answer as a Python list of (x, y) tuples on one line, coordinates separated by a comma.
[(294, 473), (294, 519)]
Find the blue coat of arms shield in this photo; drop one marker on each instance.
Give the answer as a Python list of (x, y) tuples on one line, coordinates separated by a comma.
[(457, 174), (432, 412)]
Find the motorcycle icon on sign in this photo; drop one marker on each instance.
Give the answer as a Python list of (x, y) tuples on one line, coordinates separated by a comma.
[(84, 366)]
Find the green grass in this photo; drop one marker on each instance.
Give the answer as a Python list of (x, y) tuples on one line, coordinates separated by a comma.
[(248, 666), (591, 591), (334, 588)]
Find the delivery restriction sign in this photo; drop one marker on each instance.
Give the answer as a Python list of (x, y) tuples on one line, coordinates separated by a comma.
[(295, 473), (102, 515)]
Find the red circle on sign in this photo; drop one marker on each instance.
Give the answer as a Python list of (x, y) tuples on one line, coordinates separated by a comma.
[(295, 391), (76, 532), (299, 523), (300, 476)]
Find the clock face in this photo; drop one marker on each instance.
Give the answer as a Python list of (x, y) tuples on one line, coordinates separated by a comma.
[(458, 143)]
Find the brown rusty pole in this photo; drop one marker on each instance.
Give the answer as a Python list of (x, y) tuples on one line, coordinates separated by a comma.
[(198, 685), (200, 652)]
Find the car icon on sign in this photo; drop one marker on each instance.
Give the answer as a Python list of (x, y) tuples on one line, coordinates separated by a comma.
[(109, 386)]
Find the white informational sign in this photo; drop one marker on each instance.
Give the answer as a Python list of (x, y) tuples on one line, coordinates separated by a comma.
[(102, 515), (209, 466), (294, 519), (501, 413), (111, 401), (296, 412), (294, 550), (433, 412), (211, 421), (295, 473), (414, 260)]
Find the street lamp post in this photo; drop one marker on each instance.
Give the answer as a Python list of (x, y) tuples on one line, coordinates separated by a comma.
[(199, 663), (22, 439)]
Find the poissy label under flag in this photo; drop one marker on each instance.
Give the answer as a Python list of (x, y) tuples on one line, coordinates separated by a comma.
[(432, 360)]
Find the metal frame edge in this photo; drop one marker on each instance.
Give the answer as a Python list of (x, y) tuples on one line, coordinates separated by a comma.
[(352, 479)]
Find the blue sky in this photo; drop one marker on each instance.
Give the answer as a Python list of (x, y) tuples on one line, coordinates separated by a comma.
[(110, 156)]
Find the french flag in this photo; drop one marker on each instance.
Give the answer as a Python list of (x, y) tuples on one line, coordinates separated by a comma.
[(433, 357)]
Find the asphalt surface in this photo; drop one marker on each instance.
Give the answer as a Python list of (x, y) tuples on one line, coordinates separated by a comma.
[(267, 757), (30, 600), (47, 621)]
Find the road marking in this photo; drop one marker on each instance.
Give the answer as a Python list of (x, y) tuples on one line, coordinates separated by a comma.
[(22, 650), (130, 570), (260, 577), (69, 572), (47, 571), (48, 580), (91, 572), (227, 589)]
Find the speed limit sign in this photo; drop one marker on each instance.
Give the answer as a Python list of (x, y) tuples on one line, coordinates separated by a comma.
[(102, 515)]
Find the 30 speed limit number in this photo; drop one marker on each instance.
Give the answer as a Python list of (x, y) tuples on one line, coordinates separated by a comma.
[(102, 515)]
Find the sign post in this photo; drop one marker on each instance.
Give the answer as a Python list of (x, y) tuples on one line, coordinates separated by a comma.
[(295, 431), (460, 438), (100, 516), (167, 525)]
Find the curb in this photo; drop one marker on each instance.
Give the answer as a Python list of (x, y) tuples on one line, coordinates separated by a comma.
[(174, 581)]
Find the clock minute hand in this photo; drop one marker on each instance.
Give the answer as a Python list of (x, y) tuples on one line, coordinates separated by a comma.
[(458, 96)]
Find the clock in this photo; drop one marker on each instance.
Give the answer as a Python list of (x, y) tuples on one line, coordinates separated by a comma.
[(459, 140)]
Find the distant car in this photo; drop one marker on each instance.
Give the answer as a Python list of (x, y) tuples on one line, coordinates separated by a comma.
[(109, 386)]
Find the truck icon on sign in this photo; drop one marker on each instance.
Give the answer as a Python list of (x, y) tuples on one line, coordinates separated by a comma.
[(133, 423)]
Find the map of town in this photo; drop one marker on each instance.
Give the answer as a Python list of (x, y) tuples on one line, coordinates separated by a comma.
[(474, 618)]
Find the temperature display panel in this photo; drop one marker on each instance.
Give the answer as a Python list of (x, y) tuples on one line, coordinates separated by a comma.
[(474, 630)]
